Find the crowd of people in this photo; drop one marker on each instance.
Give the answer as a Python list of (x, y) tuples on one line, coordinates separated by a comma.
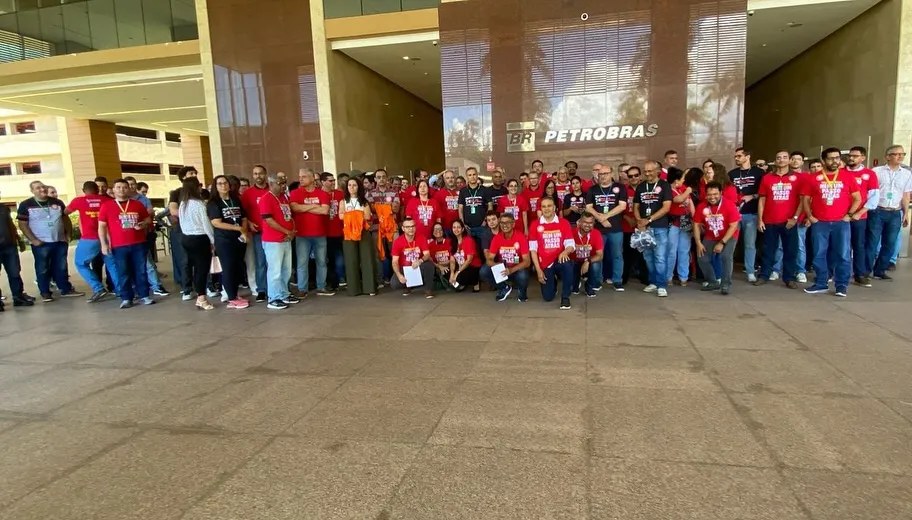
[(833, 217)]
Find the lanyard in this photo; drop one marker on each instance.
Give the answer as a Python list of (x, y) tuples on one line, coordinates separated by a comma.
[(718, 208), (124, 208), (46, 208), (231, 207), (588, 238), (830, 182), (651, 190)]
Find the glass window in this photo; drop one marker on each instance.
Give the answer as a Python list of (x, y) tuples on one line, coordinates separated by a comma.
[(31, 168), (183, 20), (140, 168), (157, 21), (129, 17), (51, 20), (27, 127), (341, 8), (174, 168), (6, 169), (2, 128), (172, 138), (101, 24), (380, 6), (76, 30), (419, 4)]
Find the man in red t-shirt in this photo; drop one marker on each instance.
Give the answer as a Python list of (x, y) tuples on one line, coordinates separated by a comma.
[(448, 201), (869, 189), (334, 259), (278, 230), (587, 255), (411, 251), (310, 205), (831, 200), (778, 214), (715, 229), (89, 246), (122, 227), (533, 195), (551, 243), (510, 248), (256, 255)]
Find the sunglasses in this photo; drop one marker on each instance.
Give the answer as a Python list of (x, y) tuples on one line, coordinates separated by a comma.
[(634, 175)]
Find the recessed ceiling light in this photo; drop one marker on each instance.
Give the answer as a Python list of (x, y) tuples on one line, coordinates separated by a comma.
[(794, 24), (763, 45), (386, 104), (434, 42), (405, 57)]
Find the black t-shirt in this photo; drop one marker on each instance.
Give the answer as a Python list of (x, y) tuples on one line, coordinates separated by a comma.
[(494, 194), (486, 237), (577, 201), (6, 221), (475, 202), (650, 196), (604, 200), (230, 212), (747, 182)]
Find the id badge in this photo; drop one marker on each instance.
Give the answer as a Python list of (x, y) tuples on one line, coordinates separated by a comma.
[(890, 195), (125, 222), (648, 211), (473, 210), (605, 209), (829, 202)]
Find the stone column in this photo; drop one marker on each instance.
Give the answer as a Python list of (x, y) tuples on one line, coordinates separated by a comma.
[(90, 150), (197, 154)]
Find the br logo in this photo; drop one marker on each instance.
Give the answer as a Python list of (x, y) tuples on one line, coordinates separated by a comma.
[(521, 137)]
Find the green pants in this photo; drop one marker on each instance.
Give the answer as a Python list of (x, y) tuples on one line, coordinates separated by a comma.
[(360, 258)]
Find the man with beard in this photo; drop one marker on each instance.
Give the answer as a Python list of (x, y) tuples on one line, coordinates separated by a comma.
[(869, 189), (256, 255), (448, 200), (497, 188)]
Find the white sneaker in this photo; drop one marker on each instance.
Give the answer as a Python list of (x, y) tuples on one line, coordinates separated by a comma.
[(224, 297), (650, 288), (752, 278), (802, 278), (774, 276), (662, 293)]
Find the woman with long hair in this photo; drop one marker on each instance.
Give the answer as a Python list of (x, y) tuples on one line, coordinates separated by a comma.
[(423, 209), (358, 249), (197, 239), (465, 262), (229, 222), (515, 204), (679, 233), (439, 246), (549, 191)]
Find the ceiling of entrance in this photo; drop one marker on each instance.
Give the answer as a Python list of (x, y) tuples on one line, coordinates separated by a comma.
[(777, 31), (164, 99)]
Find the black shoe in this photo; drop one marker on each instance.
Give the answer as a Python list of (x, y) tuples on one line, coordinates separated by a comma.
[(885, 277), (891, 267), (291, 300), (714, 286), (277, 305), (2, 307), (47, 298), (725, 290), (72, 293), (261, 297), (23, 302), (565, 304)]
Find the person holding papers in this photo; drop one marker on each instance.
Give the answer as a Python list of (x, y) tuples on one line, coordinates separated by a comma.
[(412, 265), (551, 243), (507, 260)]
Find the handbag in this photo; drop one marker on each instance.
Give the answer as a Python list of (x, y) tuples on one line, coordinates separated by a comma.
[(215, 267)]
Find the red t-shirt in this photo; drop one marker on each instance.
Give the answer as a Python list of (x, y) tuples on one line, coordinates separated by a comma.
[(782, 197), (440, 252), (830, 201), (275, 207), (587, 245), (866, 180), (310, 224), (562, 190), (334, 227), (120, 218), (586, 184), (716, 219), (467, 247), (730, 192), (448, 203), (509, 250), (424, 213), (625, 226), (250, 201), (409, 252), (406, 195), (88, 207), (549, 239), (677, 209), (533, 196), (515, 207)]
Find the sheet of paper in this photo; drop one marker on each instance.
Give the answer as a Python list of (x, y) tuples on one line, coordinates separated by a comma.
[(412, 277), (500, 273)]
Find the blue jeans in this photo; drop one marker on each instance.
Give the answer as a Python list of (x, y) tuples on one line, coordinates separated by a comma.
[(88, 250), (884, 228), (178, 258), (858, 230), (152, 272), (832, 253), (51, 262), (613, 259), (802, 249), (9, 260), (520, 279), (592, 280), (262, 265), (386, 265), (657, 259), (304, 246), (549, 288), (749, 238), (774, 234), (131, 271), (678, 252), (278, 258)]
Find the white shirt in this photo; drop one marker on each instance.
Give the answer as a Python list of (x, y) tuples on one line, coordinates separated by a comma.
[(194, 220), (893, 184)]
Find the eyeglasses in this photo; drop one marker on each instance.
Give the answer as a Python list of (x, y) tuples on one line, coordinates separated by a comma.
[(634, 175), (897, 154)]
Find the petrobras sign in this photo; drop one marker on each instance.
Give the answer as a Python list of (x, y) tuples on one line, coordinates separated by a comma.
[(601, 133)]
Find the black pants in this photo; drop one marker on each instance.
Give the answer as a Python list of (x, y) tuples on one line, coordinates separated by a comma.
[(199, 258), (468, 277), (230, 253), (634, 261)]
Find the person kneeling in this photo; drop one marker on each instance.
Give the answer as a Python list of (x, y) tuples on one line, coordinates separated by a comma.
[(721, 219), (551, 243), (411, 251), (588, 256), (510, 248)]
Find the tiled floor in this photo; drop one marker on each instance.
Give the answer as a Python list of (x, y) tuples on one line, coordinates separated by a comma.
[(768, 404)]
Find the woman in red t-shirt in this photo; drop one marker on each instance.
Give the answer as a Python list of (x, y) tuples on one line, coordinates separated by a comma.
[(465, 262), (516, 205), (439, 246), (679, 239), (423, 209)]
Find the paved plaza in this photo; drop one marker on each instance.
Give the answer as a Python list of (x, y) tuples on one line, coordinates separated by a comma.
[(768, 404)]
